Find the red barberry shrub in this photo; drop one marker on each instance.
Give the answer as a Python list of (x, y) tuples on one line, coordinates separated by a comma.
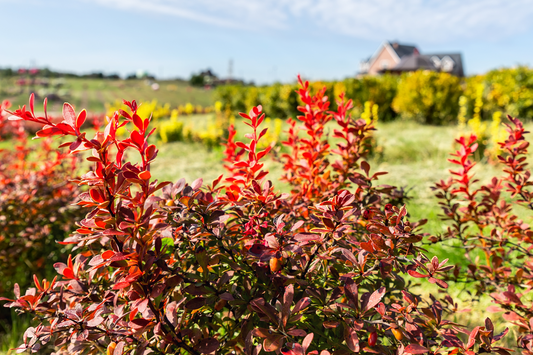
[(483, 217), (34, 202), (234, 266)]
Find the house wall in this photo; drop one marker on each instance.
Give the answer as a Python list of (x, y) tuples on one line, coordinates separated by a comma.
[(385, 57)]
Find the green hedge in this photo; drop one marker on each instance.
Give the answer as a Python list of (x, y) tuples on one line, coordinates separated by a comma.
[(427, 97), (281, 100)]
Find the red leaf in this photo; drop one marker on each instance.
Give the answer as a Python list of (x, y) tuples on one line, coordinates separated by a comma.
[(416, 274), (196, 184), (138, 122), (36, 281), (119, 349), (121, 285), (331, 324), (95, 195), (375, 298), (349, 256), (307, 341), (297, 332), (287, 302), (139, 323), (49, 131), (32, 100), (69, 115), (137, 139), (261, 332), (145, 175), (273, 342), (510, 316), (472, 338), (68, 273), (171, 313), (415, 349), (365, 166), (81, 119), (107, 254), (352, 340)]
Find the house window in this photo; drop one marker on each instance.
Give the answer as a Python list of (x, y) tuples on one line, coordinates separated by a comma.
[(436, 61), (447, 64), (384, 64)]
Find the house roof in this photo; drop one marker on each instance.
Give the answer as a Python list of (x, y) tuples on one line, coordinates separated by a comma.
[(446, 62), (413, 62), (402, 50), (457, 59)]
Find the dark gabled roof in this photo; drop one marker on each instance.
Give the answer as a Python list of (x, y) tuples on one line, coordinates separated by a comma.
[(458, 69), (428, 62), (402, 50), (413, 62)]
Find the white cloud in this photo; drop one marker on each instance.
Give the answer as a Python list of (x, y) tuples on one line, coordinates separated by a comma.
[(417, 20)]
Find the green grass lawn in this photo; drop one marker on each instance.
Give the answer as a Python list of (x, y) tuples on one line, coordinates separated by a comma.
[(93, 94)]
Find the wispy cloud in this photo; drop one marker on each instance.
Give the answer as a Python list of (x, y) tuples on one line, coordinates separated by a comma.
[(417, 20)]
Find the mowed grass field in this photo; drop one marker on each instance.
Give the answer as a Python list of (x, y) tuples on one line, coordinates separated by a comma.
[(93, 94)]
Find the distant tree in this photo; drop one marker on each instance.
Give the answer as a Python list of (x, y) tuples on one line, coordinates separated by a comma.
[(206, 77), (6, 73), (197, 80)]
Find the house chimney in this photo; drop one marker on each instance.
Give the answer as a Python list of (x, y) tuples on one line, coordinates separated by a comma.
[(395, 45)]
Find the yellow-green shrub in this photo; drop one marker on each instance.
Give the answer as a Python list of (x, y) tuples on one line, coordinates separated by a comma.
[(508, 89), (428, 97), (171, 130), (379, 90)]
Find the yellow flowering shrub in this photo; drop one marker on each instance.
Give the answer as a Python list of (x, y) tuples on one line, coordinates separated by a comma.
[(171, 130), (428, 97)]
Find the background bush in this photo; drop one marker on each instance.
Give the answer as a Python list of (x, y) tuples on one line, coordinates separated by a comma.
[(424, 96), (36, 209), (428, 97)]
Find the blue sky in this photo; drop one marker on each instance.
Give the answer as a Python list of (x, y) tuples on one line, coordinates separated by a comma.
[(267, 40)]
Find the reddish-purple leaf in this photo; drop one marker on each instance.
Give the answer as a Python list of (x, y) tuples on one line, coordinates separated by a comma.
[(297, 332), (416, 274), (472, 338), (307, 341), (119, 349), (352, 340), (171, 313), (415, 349), (273, 342), (375, 298), (207, 346), (261, 332), (195, 303)]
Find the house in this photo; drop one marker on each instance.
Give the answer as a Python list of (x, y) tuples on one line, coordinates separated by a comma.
[(393, 57)]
